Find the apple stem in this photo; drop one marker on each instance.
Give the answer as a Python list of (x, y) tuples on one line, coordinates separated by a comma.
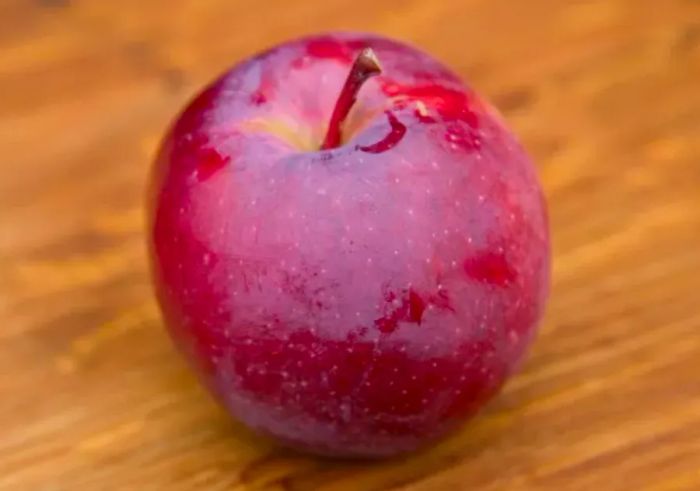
[(366, 65)]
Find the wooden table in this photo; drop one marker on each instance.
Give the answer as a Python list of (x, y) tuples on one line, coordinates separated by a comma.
[(606, 96)]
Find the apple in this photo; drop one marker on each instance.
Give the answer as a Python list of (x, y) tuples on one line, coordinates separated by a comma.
[(348, 245)]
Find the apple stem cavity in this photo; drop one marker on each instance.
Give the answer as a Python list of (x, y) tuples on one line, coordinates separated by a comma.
[(365, 66)]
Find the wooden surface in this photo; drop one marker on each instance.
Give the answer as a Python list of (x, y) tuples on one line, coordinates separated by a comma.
[(606, 96)]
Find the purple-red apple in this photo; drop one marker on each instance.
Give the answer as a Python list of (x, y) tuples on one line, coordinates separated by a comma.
[(348, 244)]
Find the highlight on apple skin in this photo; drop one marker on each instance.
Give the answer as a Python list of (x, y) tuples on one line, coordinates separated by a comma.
[(347, 244)]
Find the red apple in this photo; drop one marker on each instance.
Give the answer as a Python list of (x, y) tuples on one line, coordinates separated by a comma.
[(352, 251)]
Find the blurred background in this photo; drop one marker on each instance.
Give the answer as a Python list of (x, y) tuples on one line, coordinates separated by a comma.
[(604, 94)]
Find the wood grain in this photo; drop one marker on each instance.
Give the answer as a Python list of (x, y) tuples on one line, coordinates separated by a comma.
[(606, 96)]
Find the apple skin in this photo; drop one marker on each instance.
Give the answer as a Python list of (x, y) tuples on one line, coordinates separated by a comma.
[(362, 300)]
